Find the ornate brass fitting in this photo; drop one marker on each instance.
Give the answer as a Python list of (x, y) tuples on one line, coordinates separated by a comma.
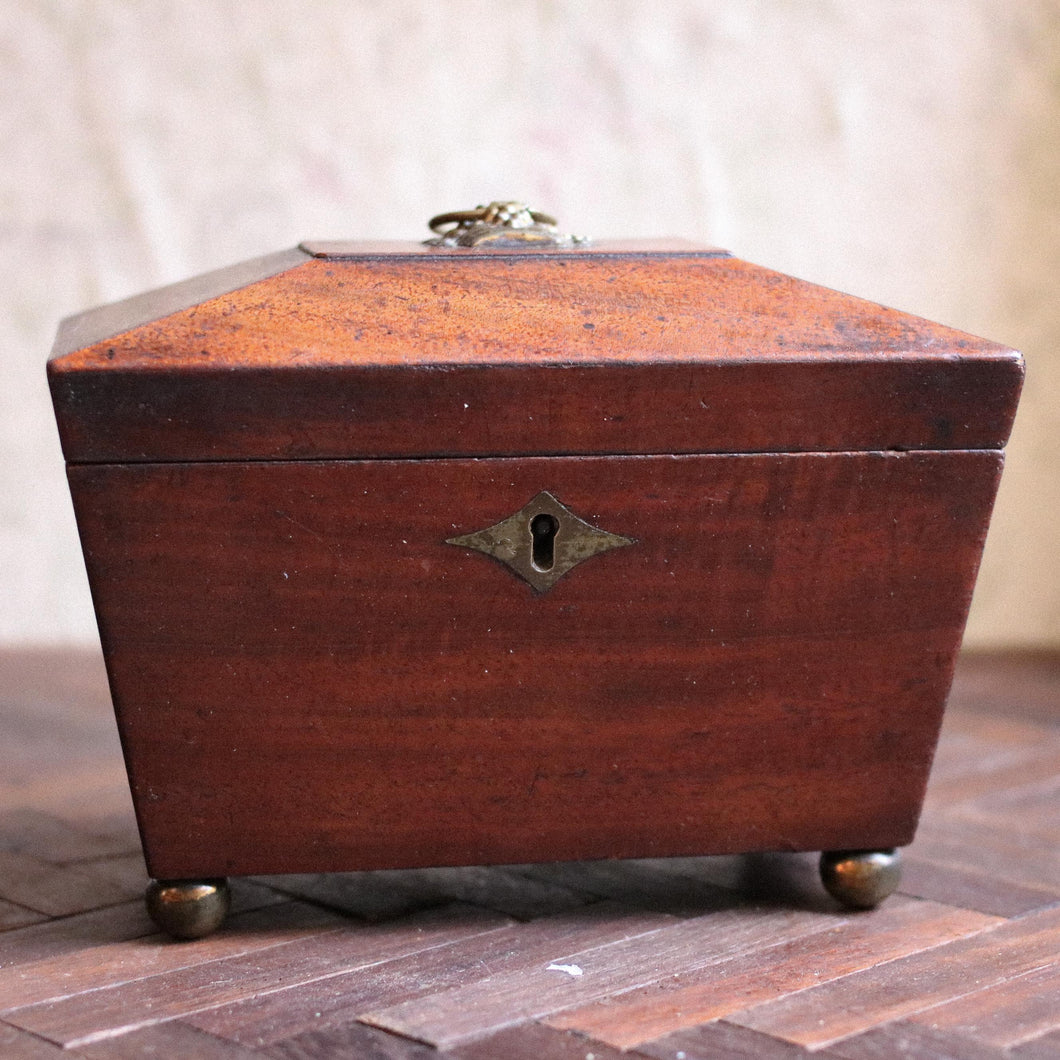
[(501, 224), (542, 541)]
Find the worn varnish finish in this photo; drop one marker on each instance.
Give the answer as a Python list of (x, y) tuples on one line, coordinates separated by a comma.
[(709, 957), (404, 351), (307, 677), (272, 470)]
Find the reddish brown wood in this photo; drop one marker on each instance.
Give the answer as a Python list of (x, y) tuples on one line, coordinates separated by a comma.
[(900, 988), (971, 889), (574, 977), (19, 1045), (173, 1039), (326, 1007), (908, 1040), (308, 678), (36, 984), (998, 990), (784, 966), (181, 991), (1004, 1014), (720, 1039), (352, 1040), (534, 1041), (428, 353)]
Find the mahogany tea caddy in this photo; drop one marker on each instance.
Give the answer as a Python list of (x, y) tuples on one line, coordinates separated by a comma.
[(520, 548)]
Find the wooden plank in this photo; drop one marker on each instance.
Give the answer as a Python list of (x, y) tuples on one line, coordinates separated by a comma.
[(970, 889), (534, 1041), (95, 790), (987, 771), (1032, 805), (693, 997), (167, 1041), (716, 1040), (762, 877), (385, 893), (1045, 1048), (636, 882), (1003, 1014), (37, 885), (333, 1003), (746, 611), (69, 936), (57, 841), (353, 1040), (16, 916), (903, 987), (575, 978), (106, 1011), (1020, 684), (105, 966), (1004, 852), (17, 1044), (914, 1042), (374, 896)]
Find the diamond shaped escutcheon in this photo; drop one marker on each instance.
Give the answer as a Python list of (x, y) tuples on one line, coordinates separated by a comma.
[(542, 541)]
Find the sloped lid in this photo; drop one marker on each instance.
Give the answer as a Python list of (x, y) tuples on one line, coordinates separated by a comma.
[(390, 350)]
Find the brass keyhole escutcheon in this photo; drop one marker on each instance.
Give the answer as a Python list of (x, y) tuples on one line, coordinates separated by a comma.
[(542, 541)]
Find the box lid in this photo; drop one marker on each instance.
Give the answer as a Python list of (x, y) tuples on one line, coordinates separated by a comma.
[(360, 350)]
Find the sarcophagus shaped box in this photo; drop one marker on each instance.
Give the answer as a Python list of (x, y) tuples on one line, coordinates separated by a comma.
[(408, 555)]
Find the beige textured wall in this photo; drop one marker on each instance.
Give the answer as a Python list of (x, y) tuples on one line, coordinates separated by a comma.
[(903, 151)]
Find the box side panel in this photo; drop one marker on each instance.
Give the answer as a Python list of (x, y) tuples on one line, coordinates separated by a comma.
[(308, 678)]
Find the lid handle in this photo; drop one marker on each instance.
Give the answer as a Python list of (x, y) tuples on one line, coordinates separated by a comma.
[(500, 224)]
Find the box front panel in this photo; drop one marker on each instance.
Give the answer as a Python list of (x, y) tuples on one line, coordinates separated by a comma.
[(309, 678)]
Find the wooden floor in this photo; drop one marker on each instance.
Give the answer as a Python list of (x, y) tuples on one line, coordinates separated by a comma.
[(692, 958)]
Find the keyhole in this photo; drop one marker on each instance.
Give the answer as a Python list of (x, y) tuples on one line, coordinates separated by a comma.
[(543, 529)]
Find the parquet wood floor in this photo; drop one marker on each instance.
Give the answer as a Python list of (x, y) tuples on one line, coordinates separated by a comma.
[(672, 960)]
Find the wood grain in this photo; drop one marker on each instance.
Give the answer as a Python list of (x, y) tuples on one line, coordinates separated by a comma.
[(997, 999), (764, 669), (326, 1007), (492, 355), (906, 1040), (168, 994), (715, 1040), (68, 936), (1004, 1014), (352, 1040), (16, 1044), (163, 1040), (532, 1041), (64, 975), (971, 888), (781, 967), (574, 978), (903, 987)]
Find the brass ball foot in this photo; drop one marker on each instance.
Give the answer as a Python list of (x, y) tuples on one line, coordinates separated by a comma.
[(861, 879), (188, 909)]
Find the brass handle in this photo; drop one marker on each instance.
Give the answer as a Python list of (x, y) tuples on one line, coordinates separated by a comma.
[(498, 224)]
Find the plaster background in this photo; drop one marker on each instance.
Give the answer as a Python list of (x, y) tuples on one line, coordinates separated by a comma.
[(905, 152)]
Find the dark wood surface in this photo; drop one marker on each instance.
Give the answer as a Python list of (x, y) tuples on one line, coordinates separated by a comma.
[(689, 957), (309, 678), (449, 353)]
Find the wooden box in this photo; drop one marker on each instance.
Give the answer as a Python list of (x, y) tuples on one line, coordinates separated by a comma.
[(328, 501)]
